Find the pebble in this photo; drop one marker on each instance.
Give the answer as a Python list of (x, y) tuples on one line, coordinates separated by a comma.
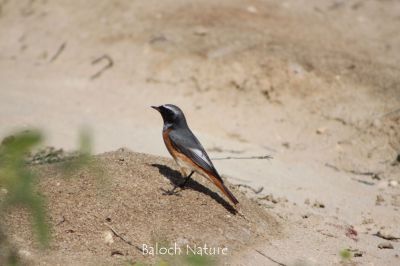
[(393, 183), (297, 69), (251, 9), (108, 237), (200, 31)]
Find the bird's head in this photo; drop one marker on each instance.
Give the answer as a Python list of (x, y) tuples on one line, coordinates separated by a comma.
[(171, 114)]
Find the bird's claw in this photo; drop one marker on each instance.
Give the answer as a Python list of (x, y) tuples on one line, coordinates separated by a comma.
[(170, 192)]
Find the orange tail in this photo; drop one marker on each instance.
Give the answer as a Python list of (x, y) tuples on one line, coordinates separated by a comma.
[(224, 189)]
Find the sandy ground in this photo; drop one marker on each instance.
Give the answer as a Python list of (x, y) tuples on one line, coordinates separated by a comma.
[(313, 83), (116, 214)]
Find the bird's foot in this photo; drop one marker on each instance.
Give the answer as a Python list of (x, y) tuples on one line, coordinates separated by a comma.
[(182, 185), (171, 191)]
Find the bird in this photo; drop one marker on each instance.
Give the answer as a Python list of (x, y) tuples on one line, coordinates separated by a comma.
[(187, 150)]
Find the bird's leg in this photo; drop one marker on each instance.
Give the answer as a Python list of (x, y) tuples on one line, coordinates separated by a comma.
[(181, 186), (186, 180)]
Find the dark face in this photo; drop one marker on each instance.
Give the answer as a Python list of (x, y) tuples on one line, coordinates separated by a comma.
[(171, 114)]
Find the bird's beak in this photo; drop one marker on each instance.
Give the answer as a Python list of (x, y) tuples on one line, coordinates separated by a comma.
[(156, 107)]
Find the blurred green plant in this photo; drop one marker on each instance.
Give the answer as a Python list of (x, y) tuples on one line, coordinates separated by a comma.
[(345, 254), (197, 260), (18, 181)]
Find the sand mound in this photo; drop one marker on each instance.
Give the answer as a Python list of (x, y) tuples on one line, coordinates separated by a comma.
[(87, 213)]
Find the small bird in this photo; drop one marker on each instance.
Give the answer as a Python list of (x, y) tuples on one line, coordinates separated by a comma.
[(186, 149)]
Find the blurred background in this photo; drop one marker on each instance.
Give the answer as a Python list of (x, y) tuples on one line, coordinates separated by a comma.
[(309, 82), (260, 72)]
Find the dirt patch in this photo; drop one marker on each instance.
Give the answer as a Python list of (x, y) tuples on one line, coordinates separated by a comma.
[(108, 219)]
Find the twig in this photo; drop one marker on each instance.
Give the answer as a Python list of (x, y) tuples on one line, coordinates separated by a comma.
[(123, 238), (118, 235), (271, 259), (257, 191), (364, 182), (59, 51), (109, 64), (354, 172), (333, 167), (386, 236), (244, 158)]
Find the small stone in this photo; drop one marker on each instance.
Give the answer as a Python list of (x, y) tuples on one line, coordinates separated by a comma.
[(307, 202), (251, 9), (321, 130), (296, 69), (393, 183), (200, 31), (385, 245), (108, 237)]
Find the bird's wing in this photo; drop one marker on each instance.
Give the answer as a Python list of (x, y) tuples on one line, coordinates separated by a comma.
[(187, 143)]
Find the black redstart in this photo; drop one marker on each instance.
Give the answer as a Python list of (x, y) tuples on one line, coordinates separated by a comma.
[(186, 149)]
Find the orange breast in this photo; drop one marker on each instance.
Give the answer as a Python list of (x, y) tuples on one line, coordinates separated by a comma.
[(168, 143)]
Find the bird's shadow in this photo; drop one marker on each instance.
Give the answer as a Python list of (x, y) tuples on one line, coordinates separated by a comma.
[(176, 178)]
